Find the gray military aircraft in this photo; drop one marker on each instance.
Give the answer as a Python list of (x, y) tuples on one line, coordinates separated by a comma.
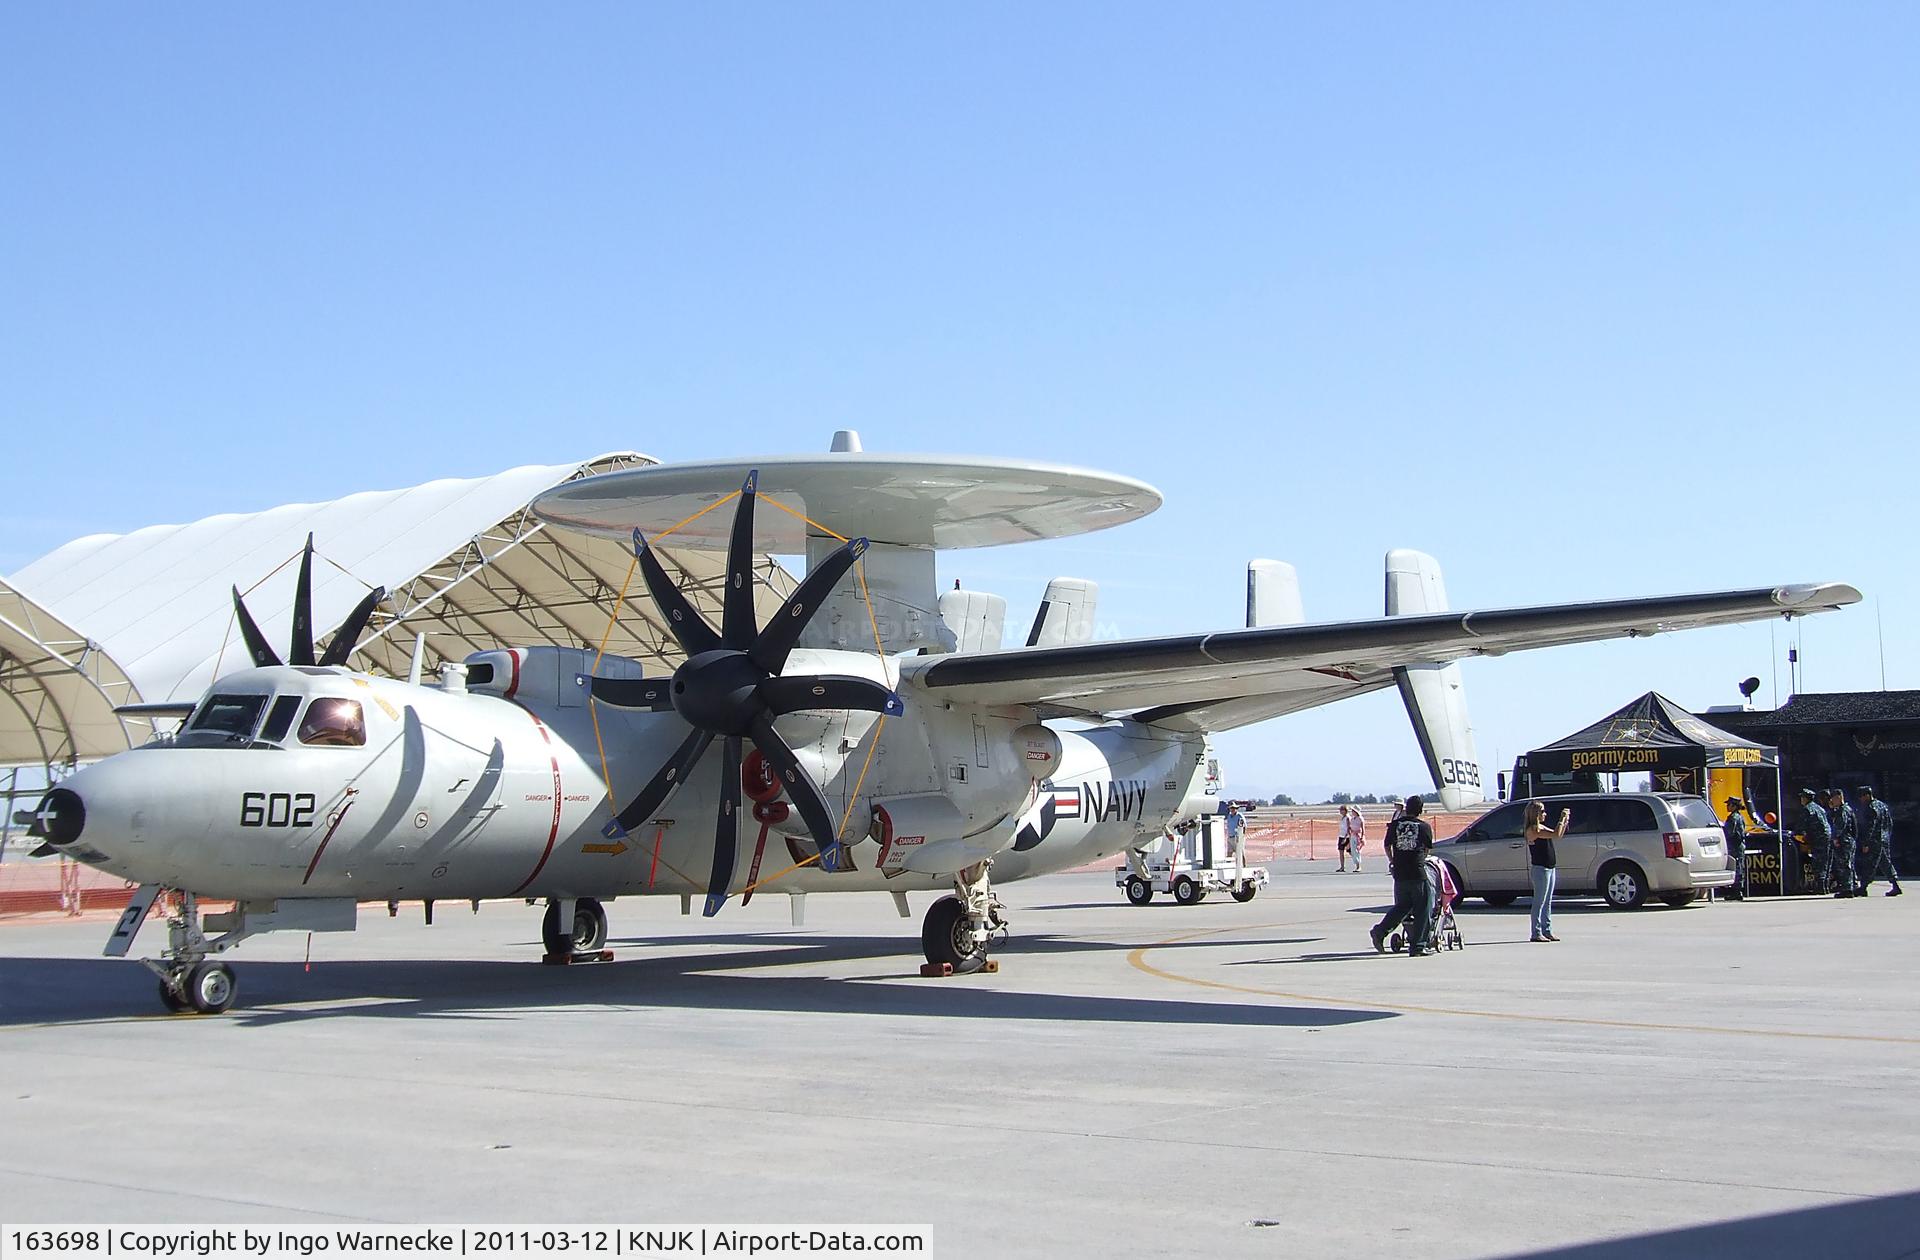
[(875, 732)]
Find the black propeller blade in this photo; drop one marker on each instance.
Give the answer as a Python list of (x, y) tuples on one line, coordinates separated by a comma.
[(730, 688), (770, 650), (726, 827), (829, 691), (631, 693), (300, 650), (347, 637), (257, 648), (658, 788)]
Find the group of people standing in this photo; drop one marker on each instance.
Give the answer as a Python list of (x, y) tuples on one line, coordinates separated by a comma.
[(1852, 847)]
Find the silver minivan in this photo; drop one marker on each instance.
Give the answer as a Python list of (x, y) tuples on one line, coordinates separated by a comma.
[(1625, 846)]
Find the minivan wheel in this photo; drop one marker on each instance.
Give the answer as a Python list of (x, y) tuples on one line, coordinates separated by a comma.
[(1676, 900), (1499, 901), (1623, 886)]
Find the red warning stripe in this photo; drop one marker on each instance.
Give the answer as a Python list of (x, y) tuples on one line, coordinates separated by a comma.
[(553, 832)]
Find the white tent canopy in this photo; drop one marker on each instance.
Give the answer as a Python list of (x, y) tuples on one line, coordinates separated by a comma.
[(57, 689), (464, 562)]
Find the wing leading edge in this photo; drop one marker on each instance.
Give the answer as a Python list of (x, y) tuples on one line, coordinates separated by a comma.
[(1233, 677)]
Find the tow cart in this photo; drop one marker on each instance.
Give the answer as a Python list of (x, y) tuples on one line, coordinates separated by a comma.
[(1189, 866)]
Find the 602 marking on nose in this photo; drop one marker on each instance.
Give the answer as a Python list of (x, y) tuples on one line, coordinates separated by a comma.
[(276, 809)]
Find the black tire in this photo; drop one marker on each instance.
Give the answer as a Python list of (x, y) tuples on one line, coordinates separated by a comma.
[(1246, 892), (1623, 885), (173, 999), (945, 938), (589, 928), (1499, 901), (1677, 900), (1139, 891), (210, 987), (1186, 892)]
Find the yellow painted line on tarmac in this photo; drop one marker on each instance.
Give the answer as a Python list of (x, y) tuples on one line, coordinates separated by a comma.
[(1138, 960)]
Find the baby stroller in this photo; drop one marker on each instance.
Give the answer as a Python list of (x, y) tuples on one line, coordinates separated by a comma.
[(1446, 931)]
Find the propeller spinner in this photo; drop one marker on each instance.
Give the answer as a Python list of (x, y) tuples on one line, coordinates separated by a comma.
[(730, 688)]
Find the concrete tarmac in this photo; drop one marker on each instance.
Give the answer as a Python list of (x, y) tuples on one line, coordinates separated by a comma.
[(1729, 1079)]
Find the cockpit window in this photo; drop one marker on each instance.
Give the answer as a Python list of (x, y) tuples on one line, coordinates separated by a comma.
[(233, 716), (334, 722), (280, 719)]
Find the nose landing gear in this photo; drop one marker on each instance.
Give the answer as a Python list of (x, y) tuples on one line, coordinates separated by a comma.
[(189, 979), (206, 987)]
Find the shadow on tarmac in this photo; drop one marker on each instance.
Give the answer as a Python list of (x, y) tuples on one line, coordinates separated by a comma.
[(723, 976), (1879, 1227)]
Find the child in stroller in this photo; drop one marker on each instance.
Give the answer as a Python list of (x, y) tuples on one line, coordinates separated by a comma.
[(1446, 932)]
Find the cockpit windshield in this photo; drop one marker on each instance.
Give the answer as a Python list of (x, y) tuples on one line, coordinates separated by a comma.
[(334, 721), (224, 718)]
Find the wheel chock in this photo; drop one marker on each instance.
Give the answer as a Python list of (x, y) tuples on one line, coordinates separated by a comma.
[(567, 960), (942, 970)]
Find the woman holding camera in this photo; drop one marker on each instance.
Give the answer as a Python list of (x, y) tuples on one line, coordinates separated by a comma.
[(1543, 865)]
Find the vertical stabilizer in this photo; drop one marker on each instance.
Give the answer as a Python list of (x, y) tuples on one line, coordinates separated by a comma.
[(1273, 594), (1435, 699), (977, 619), (1066, 614)]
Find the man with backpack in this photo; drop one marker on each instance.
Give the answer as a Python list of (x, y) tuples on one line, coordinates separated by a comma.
[(1409, 839)]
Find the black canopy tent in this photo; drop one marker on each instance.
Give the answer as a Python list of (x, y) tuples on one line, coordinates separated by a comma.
[(1650, 734)]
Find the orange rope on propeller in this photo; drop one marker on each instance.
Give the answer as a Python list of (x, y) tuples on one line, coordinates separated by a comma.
[(803, 516), (697, 515)]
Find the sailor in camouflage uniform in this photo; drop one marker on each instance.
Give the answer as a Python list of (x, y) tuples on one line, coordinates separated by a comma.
[(1845, 834), (1876, 843), (1818, 833)]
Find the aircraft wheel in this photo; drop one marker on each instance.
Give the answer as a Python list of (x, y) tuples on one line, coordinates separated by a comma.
[(589, 928), (1246, 892), (1139, 891), (946, 937), (170, 995), (1186, 892), (211, 987)]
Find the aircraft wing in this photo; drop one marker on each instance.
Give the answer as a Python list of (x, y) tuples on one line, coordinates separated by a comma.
[(1233, 677)]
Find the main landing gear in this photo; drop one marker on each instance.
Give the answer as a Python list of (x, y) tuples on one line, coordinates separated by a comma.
[(585, 938), (959, 928)]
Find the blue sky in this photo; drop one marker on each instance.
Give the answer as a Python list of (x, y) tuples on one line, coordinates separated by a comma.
[(1586, 300)]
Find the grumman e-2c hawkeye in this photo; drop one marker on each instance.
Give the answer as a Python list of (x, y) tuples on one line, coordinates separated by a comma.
[(873, 729)]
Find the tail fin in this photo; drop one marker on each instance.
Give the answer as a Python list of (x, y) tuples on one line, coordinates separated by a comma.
[(1066, 613), (1435, 699), (1273, 594)]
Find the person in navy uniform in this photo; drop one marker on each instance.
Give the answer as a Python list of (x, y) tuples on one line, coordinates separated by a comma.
[(1409, 839), (1876, 842), (1735, 830), (1818, 834), (1845, 829)]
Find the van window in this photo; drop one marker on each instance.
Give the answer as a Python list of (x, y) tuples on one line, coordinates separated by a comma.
[(334, 722), (1503, 823), (1596, 815), (1691, 811)]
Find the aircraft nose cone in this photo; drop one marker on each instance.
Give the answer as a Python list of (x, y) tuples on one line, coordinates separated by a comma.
[(60, 818)]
